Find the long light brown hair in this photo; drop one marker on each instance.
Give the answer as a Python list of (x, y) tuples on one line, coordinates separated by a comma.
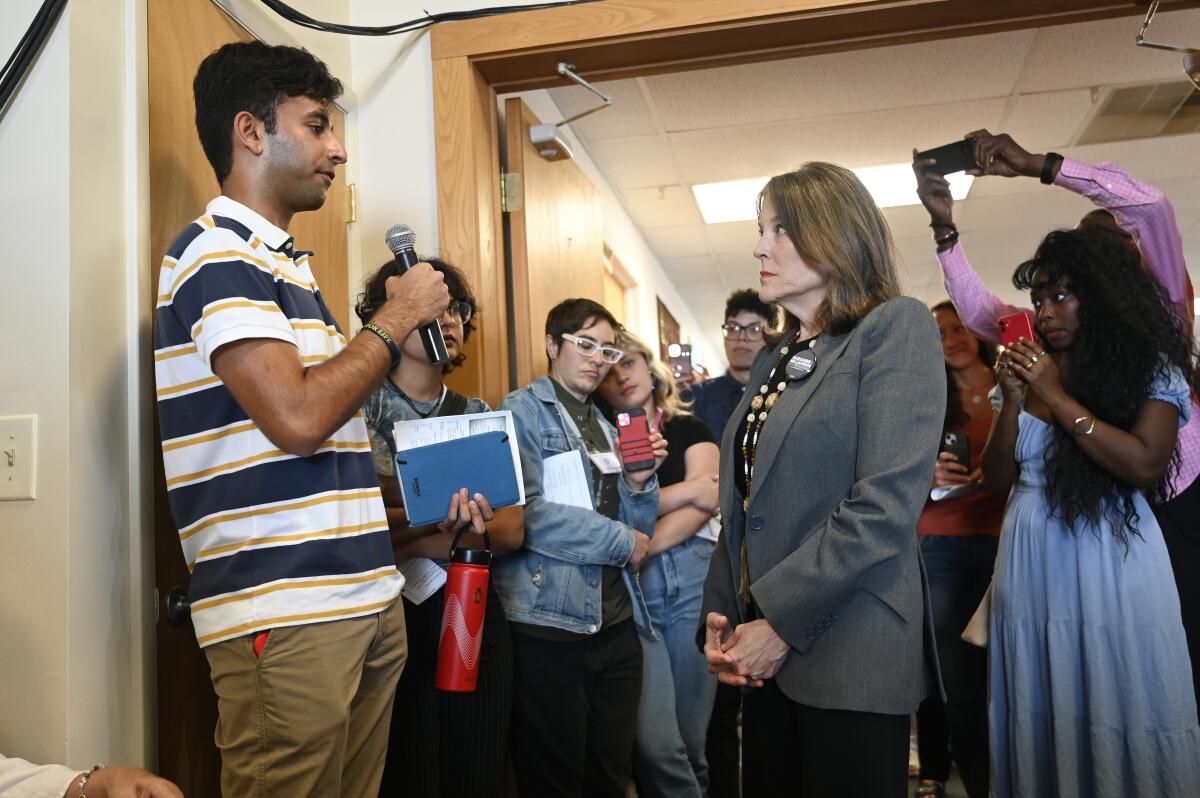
[(839, 231)]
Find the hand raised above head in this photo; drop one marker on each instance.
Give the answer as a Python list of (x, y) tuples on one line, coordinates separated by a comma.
[(934, 192), (997, 154)]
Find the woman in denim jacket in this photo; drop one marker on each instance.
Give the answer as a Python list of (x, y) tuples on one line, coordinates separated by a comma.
[(571, 590)]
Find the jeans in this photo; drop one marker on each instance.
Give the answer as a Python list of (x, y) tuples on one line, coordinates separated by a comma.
[(677, 689), (959, 569)]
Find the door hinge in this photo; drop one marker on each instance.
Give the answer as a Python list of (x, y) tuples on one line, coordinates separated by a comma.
[(351, 203), (156, 600), (512, 192)]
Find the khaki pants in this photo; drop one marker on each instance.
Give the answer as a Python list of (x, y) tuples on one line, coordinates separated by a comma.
[(311, 716)]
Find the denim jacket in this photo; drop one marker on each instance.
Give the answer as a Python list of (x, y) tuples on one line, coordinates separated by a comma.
[(554, 578)]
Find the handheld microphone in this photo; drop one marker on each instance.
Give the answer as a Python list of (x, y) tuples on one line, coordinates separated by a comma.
[(401, 240)]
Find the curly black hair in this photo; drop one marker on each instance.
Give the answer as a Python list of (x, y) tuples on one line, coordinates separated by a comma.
[(374, 294), (1125, 319)]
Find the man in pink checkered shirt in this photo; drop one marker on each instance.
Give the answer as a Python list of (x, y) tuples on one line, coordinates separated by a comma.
[(1140, 213)]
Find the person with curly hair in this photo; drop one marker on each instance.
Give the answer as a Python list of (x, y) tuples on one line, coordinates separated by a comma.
[(430, 728), (1090, 682), (1144, 219)]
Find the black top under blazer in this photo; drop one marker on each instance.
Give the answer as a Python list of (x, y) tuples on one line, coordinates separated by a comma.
[(843, 468)]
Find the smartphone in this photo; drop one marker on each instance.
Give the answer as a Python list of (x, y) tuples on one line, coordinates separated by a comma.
[(681, 359), (1015, 327), (957, 444), (633, 435), (955, 157)]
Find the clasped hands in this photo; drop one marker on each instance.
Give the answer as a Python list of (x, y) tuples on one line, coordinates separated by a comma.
[(744, 656), (1026, 363)]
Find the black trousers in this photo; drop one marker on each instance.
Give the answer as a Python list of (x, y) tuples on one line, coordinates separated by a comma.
[(722, 747), (793, 750), (1180, 522), (450, 745), (575, 713)]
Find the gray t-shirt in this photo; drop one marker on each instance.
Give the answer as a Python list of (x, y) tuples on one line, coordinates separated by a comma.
[(386, 406)]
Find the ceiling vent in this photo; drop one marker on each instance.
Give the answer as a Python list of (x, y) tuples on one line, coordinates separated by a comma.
[(1141, 112)]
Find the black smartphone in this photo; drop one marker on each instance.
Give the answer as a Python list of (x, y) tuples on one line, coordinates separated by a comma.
[(957, 156), (957, 444)]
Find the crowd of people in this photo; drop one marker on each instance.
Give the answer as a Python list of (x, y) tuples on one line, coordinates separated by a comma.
[(763, 610)]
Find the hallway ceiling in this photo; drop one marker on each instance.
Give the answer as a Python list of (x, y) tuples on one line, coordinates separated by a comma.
[(665, 133)]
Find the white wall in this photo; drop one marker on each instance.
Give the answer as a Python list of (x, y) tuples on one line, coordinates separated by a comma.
[(74, 583)]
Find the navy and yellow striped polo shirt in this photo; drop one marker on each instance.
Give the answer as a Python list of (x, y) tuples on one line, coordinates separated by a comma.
[(271, 539)]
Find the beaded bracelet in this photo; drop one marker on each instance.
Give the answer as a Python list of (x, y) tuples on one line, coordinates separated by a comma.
[(83, 780)]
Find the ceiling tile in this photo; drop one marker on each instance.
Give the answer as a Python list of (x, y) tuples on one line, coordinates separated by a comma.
[(1103, 53), (1049, 121), (733, 239), (677, 242), (642, 162), (700, 269), (669, 206), (627, 116), (841, 83), (860, 140)]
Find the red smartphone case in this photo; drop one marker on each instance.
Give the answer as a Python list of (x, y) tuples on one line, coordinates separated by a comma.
[(633, 435), (1015, 327)]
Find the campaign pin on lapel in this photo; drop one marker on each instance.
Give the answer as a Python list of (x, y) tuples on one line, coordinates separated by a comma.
[(801, 365)]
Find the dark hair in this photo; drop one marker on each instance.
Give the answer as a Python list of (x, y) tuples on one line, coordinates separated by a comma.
[(1124, 318), (253, 77), (374, 294), (747, 299), (956, 415), (575, 314)]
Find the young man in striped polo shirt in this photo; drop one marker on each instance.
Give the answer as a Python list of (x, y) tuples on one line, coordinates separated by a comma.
[(268, 464)]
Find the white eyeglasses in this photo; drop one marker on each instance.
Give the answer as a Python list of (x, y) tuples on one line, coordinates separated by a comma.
[(587, 347)]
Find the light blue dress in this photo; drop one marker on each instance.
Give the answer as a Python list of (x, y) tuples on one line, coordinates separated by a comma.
[(1090, 683)]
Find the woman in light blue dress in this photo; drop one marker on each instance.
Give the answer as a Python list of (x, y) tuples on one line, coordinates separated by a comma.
[(1090, 683)]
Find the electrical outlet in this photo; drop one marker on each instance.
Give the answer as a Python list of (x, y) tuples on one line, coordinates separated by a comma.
[(18, 457)]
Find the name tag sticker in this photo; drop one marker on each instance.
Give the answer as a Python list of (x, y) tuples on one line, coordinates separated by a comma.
[(606, 462)]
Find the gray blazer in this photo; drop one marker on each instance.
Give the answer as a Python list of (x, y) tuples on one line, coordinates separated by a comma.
[(842, 471)]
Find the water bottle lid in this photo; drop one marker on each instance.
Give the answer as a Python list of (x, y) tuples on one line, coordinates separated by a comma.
[(471, 557)]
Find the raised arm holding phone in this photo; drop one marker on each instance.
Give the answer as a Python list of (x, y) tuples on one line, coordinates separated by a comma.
[(1142, 219)]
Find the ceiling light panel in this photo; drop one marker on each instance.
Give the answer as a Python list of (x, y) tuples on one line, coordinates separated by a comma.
[(890, 185)]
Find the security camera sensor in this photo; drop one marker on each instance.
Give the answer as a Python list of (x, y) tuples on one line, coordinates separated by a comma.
[(549, 142)]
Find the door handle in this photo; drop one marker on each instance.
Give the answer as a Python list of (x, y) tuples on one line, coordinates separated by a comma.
[(179, 607)]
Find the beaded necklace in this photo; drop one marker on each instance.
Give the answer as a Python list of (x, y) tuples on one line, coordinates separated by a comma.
[(760, 408)]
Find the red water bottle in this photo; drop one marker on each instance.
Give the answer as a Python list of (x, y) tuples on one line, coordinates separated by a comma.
[(461, 637)]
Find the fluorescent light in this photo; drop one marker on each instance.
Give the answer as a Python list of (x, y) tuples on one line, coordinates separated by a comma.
[(890, 186), (731, 201)]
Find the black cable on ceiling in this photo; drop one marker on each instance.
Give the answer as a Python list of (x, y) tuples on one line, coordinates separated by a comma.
[(298, 18), (18, 64)]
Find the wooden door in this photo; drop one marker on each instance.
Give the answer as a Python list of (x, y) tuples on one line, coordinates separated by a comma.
[(181, 33), (556, 240)]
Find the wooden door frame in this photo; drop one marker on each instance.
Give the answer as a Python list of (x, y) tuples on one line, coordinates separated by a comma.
[(474, 60)]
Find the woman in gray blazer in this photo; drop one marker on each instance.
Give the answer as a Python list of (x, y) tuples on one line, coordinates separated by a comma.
[(814, 601)]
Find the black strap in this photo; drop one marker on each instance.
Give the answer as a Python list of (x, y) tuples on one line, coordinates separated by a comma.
[(455, 404)]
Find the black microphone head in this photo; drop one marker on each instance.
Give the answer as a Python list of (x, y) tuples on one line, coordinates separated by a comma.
[(400, 237)]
